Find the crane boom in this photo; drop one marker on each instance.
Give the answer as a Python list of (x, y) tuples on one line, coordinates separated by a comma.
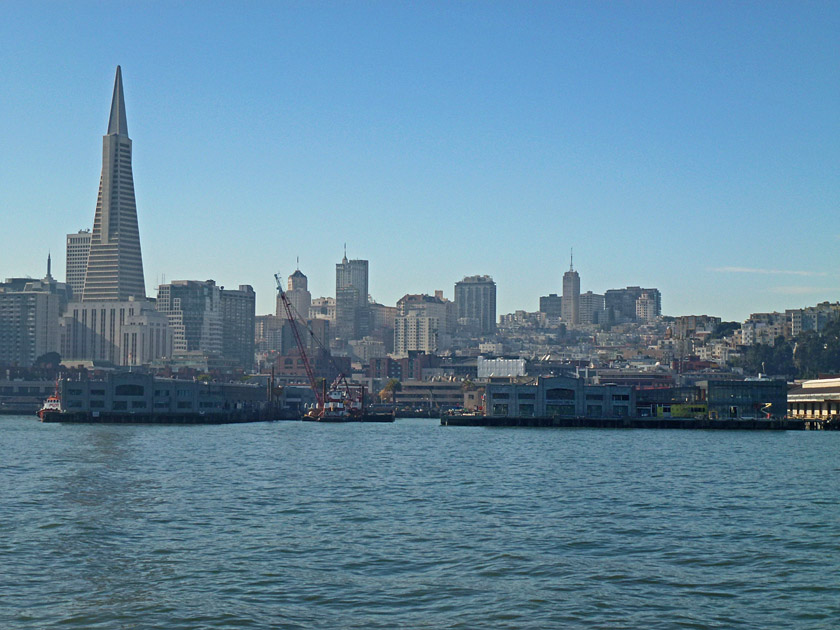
[(319, 397)]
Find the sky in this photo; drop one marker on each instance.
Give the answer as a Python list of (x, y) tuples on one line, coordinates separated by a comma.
[(689, 146)]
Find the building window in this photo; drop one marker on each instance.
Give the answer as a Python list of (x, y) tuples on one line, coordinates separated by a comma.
[(559, 393), (129, 389), (560, 410)]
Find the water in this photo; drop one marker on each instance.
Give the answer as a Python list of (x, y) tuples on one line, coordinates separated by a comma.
[(413, 525)]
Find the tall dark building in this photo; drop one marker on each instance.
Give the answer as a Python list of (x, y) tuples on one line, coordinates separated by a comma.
[(352, 315), (475, 304), (551, 305), (620, 304), (115, 266), (238, 313)]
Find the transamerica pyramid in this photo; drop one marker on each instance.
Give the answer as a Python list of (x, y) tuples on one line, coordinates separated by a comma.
[(115, 266)]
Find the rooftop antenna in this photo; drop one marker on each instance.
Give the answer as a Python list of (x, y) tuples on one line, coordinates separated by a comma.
[(345, 252), (572, 261), (298, 263), (49, 264)]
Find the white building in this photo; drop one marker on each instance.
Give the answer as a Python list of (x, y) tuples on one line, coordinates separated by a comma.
[(423, 323), (78, 247), (646, 308), (500, 367), (28, 321), (129, 332)]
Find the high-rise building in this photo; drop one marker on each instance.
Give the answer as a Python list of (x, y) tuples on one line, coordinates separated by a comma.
[(591, 308), (646, 308), (551, 305), (571, 296), (110, 320), (621, 303), (423, 323), (114, 265), (322, 308), (195, 315), (475, 304), (238, 313), (78, 247), (352, 316), (210, 320), (298, 295), (28, 320)]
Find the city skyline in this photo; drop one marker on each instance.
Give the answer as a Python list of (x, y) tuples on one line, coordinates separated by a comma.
[(711, 179)]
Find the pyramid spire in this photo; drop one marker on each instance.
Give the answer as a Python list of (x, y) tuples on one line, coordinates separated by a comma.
[(115, 266), (117, 124)]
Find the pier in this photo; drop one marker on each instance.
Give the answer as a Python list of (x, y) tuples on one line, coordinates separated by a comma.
[(734, 424)]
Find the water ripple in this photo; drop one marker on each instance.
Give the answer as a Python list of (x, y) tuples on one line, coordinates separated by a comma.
[(299, 526)]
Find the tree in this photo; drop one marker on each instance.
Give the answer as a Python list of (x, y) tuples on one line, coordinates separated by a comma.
[(816, 353), (390, 390), (725, 329), (49, 359)]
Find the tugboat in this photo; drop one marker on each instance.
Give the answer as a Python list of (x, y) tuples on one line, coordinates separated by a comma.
[(51, 405)]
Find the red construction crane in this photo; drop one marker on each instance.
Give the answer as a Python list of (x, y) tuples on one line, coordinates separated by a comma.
[(319, 396)]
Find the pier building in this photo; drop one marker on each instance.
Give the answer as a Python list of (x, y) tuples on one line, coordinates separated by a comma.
[(817, 399)]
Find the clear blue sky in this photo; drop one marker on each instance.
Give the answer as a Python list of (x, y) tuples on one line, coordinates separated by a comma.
[(690, 146)]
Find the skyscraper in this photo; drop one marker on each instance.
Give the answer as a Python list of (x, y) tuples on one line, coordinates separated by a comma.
[(110, 319), (571, 296), (352, 316), (298, 295), (475, 304), (78, 247), (115, 266), (238, 312), (591, 308)]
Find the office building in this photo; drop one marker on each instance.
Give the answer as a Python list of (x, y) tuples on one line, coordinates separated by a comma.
[(110, 320), (118, 332), (475, 304), (591, 308), (298, 295), (646, 308), (194, 311), (551, 305), (352, 316), (115, 265), (210, 320), (29, 311), (322, 308), (621, 303), (570, 307), (238, 313), (78, 247)]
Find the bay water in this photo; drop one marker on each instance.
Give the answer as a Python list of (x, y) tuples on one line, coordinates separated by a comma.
[(414, 525)]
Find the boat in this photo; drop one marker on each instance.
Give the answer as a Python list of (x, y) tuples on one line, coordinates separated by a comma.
[(52, 404), (342, 402)]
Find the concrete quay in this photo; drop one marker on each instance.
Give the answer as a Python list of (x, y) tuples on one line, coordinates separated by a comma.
[(739, 424), (114, 417)]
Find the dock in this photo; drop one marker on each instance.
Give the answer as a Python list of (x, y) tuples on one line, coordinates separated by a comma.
[(731, 424)]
